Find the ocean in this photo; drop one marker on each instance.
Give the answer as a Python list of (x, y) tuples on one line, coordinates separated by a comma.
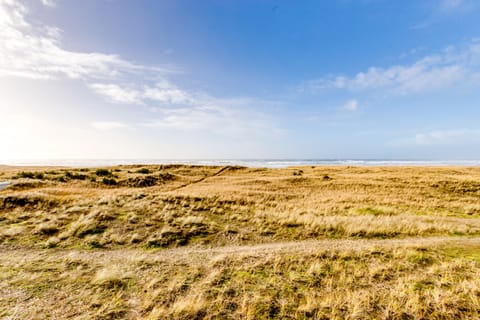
[(268, 163)]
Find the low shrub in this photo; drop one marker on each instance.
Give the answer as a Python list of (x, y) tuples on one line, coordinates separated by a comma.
[(75, 176), (26, 174), (39, 175), (109, 181), (141, 181), (103, 172)]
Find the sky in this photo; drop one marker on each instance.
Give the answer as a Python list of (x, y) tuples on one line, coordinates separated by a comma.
[(249, 79)]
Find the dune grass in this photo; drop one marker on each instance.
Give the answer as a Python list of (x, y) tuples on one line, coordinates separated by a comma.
[(195, 242)]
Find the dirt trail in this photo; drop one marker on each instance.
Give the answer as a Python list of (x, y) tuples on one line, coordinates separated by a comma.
[(219, 172), (183, 254)]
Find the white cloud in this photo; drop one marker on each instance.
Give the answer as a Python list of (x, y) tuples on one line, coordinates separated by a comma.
[(351, 105), (431, 73), (108, 125), (233, 117), (451, 5), (169, 95), (443, 8), (34, 51), (181, 109), (442, 137), (49, 3), (161, 94), (116, 93)]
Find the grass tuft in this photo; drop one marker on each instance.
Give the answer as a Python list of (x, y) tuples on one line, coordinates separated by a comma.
[(112, 278)]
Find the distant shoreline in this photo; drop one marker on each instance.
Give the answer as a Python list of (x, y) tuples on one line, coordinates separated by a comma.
[(257, 163)]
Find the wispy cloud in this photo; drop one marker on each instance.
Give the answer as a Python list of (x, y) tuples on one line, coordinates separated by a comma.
[(427, 74), (35, 51), (163, 92), (438, 10), (351, 105), (108, 125), (235, 117), (439, 138), (443, 137), (175, 108), (116, 93), (49, 3), (449, 5)]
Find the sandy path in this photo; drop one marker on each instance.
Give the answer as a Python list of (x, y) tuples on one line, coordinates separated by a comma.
[(182, 254), (201, 179)]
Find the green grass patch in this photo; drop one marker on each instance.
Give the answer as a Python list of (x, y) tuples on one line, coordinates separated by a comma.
[(471, 252), (374, 211)]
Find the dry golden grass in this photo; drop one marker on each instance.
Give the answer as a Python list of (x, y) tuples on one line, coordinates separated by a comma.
[(188, 242), (435, 278)]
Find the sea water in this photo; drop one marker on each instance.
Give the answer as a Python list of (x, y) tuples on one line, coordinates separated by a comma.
[(268, 163)]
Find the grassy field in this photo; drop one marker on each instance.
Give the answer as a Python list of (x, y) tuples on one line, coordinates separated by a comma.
[(202, 242)]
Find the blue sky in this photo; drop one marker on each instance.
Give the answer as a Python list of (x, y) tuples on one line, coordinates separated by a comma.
[(240, 79)]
